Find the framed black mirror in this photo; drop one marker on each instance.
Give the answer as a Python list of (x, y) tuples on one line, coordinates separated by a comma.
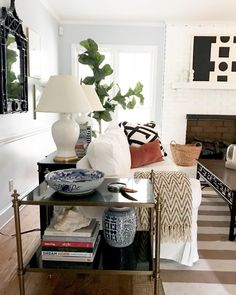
[(13, 63)]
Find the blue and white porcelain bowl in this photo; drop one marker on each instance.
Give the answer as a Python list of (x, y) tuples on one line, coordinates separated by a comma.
[(74, 181)]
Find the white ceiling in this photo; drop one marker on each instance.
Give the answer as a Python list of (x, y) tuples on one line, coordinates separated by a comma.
[(142, 11)]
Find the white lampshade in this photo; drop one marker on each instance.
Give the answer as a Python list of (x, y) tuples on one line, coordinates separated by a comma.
[(95, 103), (64, 94), (93, 98)]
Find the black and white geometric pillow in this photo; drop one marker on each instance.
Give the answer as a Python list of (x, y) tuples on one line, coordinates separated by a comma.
[(138, 134)]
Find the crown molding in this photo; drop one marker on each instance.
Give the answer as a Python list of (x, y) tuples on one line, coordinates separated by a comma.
[(201, 23), (113, 23), (49, 8)]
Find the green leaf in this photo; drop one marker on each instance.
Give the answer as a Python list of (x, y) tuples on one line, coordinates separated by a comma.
[(85, 59), (138, 92), (108, 87), (94, 133), (138, 88), (96, 115), (129, 92), (101, 91), (90, 45), (131, 104), (120, 99), (141, 98), (107, 70), (100, 74), (105, 116), (109, 106), (98, 58), (88, 80)]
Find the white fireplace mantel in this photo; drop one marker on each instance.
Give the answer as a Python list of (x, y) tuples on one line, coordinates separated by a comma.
[(204, 85)]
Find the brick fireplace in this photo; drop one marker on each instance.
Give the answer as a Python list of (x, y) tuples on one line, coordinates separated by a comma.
[(215, 132)]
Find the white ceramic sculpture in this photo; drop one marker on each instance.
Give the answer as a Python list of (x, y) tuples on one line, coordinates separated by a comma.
[(71, 219)]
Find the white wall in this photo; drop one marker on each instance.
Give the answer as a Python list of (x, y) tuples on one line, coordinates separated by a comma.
[(23, 140), (179, 102)]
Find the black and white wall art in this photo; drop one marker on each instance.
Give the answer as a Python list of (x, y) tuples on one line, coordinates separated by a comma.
[(214, 58)]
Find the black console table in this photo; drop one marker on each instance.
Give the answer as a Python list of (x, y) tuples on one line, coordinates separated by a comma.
[(223, 181), (47, 164), (44, 166)]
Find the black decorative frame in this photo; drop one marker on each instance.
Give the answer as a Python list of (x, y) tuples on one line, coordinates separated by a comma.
[(224, 64), (11, 24)]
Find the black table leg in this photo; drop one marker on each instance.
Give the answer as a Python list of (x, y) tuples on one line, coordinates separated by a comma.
[(46, 213)]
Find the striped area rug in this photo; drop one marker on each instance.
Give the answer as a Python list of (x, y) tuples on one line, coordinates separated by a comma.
[(215, 272)]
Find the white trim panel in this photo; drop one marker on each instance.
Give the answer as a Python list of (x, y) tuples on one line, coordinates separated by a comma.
[(23, 135)]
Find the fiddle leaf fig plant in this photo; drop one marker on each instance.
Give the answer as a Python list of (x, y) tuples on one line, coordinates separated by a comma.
[(94, 59)]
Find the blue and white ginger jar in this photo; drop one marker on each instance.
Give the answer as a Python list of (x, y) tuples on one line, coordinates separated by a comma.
[(119, 226)]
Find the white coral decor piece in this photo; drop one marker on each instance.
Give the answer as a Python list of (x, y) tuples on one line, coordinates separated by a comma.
[(71, 220)]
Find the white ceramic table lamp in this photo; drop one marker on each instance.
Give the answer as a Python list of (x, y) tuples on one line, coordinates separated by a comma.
[(95, 103), (64, 94)]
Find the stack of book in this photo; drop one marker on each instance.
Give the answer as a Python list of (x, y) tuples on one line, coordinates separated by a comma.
[(77, 246)]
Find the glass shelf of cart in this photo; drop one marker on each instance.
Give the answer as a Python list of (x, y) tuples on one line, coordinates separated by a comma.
[(44, 195), (136, 257)]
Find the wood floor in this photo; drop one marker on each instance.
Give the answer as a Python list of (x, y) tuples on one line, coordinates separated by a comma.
[(57, 284)]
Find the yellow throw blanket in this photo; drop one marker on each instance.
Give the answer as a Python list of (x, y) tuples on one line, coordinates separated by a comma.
[(174, 190)]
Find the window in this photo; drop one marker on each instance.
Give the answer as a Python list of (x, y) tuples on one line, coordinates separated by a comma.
[(130, 64)]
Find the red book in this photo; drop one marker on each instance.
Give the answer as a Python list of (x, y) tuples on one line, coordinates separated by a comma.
[(67, 244)]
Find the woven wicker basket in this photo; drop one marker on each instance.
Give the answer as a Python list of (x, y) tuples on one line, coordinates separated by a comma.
[(185, 154)]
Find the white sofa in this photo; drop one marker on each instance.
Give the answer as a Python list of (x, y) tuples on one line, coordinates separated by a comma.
[(110, 153)]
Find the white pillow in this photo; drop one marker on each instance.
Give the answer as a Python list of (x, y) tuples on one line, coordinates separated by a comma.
[(110, 153), (83, 163)]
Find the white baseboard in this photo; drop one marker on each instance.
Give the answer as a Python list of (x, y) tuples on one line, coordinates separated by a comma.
[(6, 215)]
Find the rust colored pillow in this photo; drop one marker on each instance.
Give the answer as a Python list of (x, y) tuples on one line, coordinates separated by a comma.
[(145, 154)]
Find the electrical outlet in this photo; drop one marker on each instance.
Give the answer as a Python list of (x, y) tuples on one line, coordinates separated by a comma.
[(11, 185)]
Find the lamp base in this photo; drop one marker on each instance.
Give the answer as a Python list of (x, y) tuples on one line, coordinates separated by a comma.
[(65, 159), (65, 133)]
